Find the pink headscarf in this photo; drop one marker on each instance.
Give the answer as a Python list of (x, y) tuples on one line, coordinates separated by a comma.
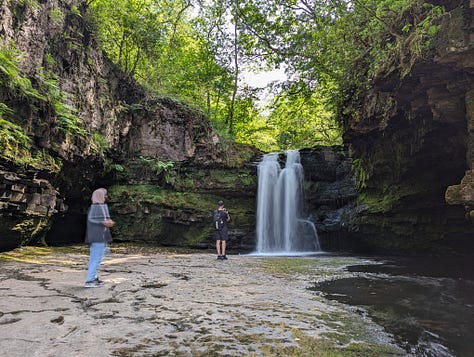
[(98, 196)]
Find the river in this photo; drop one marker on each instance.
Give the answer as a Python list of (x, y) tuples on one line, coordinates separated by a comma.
[(426, 303)]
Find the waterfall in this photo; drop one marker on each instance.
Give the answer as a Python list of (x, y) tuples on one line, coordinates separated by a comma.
[(280, 227)]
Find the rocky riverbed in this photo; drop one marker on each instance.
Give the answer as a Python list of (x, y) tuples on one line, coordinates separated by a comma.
[(173, 303)]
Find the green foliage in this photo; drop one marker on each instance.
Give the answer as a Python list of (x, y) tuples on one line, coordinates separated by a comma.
[(68, 120), (15, 146), (330, 50), (56, 15), (10, 76), (303, 120), (75, 10), (99, 145), (159, 167), (398, 33), (361, 173), (14, 143), (32, 3), (331, 47), (100, 141), (191, 58)]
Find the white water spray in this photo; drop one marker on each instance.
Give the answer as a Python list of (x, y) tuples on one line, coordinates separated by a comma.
[(280, 228)]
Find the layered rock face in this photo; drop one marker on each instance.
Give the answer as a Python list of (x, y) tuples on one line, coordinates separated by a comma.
[(412, 146), (85, 116), (179, 212), (330, 194), (26, 206)]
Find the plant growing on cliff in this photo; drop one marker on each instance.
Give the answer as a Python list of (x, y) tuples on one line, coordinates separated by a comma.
[(158, 167), (11, 77), (361, 172), (48, 93), (399, 33), (16, 146), (14, 143), (68, 121)]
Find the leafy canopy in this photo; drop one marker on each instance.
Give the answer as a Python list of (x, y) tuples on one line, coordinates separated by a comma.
[(330, 50)]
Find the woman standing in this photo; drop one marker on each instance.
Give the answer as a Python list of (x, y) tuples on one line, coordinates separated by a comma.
[(97, 235)]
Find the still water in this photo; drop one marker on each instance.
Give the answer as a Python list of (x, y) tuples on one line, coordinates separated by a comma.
[(426, 303)]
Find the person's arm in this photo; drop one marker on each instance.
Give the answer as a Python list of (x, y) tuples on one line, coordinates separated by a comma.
[(108, 222)]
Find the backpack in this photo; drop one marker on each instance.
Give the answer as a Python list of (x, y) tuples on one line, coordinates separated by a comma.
[(218, 220)]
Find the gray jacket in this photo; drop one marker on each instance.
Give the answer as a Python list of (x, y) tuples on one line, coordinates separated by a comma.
[(96, 232)]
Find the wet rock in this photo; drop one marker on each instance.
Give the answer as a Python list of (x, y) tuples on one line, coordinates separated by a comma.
[(412, 147)]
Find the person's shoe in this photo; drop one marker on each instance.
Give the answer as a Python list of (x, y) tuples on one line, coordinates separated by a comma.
[(219, 257), (94, 283), (224, 257)]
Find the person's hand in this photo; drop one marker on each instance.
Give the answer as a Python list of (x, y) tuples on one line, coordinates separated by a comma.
[(108, 223)]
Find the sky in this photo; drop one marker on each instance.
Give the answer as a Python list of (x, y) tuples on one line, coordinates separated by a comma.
[(262, 79)]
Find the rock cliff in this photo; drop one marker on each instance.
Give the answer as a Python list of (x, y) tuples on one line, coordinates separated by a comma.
[(75, 118), (412, 145), (71, 122), (330, 194)]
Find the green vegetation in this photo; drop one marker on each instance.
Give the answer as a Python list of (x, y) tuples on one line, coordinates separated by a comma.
[(287, 266), (143, 195), (158, 167), (325, 268), (56, 15), (15, 144), (11, 77), (330, 51), (199, 53), (44, 255), (68, 120)]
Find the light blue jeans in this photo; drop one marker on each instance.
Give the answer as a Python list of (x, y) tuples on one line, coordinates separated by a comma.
[(97, 252)]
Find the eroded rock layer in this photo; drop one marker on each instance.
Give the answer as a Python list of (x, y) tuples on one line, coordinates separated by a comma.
[(412, 146)]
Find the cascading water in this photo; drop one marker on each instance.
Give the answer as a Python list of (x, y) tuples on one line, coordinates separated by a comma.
[(280, 228)]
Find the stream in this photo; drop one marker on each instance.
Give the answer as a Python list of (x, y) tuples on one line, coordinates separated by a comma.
[(427, 304)]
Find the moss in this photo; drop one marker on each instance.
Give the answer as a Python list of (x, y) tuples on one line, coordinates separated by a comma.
[(43, 255), (214, 179), (322, 346), (154, 214), (287, 266), (306, 346), (378, 203), (30, 227), (387, 198), (196, 234), (142, 195), (323, 269)]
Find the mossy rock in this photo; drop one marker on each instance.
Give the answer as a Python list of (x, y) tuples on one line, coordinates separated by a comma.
[(152, 214)]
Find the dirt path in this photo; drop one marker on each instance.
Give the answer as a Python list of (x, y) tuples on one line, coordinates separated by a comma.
[(170, 304)]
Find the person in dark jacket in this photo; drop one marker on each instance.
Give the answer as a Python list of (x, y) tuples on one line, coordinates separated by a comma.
[(97, 235), (220, 234)]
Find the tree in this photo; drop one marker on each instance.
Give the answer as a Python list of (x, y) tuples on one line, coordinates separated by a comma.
[(327, 48)]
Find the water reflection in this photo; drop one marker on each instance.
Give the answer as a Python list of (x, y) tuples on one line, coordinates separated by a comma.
[(428, 305)]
